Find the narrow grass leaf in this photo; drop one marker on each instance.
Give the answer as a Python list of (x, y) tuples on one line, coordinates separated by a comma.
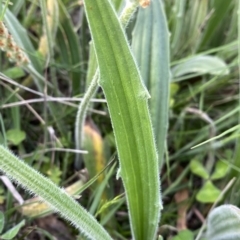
[(2, 221), (196, 22), (16, 7), (69, 49), (234, 197), (95, 160), (50, 17), (219, 136), (178, 16), (201, 65), (127, 101), (219, 10)]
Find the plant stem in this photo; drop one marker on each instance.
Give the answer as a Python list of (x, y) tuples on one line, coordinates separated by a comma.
[(80, 118)]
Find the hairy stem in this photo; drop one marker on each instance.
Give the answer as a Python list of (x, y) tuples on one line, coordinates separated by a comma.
[(57, 198)]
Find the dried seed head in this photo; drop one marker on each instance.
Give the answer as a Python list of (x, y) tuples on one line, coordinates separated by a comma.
[(144, 3), (19, 57), (25, 60), (3, 30), (7, 44), (10, 56), (3, 36), (3, 44), (11, 45)]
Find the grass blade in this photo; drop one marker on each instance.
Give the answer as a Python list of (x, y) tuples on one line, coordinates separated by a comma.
[(69, 48), (34, 182)]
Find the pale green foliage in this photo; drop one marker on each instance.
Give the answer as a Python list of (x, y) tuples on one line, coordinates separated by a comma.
[(57, 198), (150, 44), (201, 65), (224, 223)]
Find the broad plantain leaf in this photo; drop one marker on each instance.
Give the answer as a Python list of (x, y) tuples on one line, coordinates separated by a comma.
[(127, 102)]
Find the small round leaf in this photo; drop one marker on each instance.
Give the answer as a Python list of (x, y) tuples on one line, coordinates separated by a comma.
[(208, 193), (198, 169), (15, 136)]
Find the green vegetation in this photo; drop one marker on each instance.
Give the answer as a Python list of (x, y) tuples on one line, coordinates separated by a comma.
[(125, 119)]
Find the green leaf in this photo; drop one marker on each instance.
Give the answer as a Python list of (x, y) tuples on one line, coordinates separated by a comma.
[(220, 171), (2, 199), (1, 139), (224, 223), (21, 37), (177, 18), (14, 72), (109, 203), (99, 192), (221, 10), (174, 87), (184, 235), (117, 4), (15, 136), (54, 174), (56, 197), (208, 193), (2, 221), (198, 13), (69, 49), (150, 44), (198, 169), (10, 234), (95, 160), (127, 102), (201, 65)]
